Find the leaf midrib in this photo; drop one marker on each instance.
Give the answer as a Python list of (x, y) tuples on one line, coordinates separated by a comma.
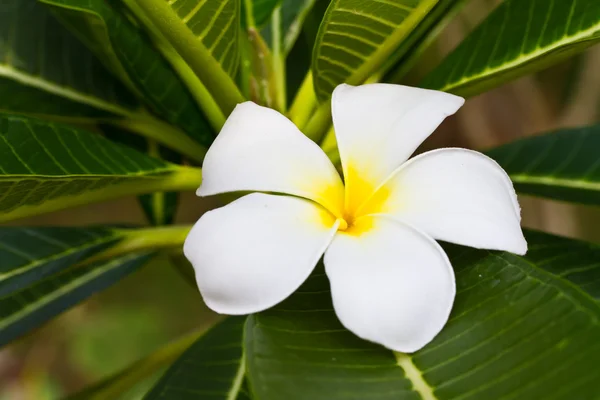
[(39, 83), (552, 181), (82, 280), (582, 36), (415, 376), (387, 46), (152, 174), (41, 261)]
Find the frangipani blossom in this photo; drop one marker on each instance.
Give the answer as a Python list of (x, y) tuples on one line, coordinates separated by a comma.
[(391, 282)]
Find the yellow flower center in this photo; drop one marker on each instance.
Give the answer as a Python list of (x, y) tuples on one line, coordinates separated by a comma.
[(361, 198)]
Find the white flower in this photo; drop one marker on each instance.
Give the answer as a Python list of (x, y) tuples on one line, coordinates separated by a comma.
[(391, 282)]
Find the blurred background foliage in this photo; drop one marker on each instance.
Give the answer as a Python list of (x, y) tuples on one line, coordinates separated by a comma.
[(82, 346)]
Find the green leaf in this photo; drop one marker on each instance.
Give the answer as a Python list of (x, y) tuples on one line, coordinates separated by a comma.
[(31, 254), (356, 38), (45, 71), (25, 310), (574, 260), (115, 385), (262, 10), (519, 37), (424, 35), (216, 24), (293, 15), (517, 331), (561, 165), (129, 54), (203, 36), (159, 207), (212, 368), (46, 167)]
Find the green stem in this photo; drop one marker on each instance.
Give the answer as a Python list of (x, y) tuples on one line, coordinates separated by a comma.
[(197, 89), (304, 103), (320, 122), (249, 7), (168, 135), (154, 238), (278, 60), (158, 198), (165, 20), (245, 64)]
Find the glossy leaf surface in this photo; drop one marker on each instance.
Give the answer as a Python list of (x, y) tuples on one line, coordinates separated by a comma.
[(356, 38), (131, 56), (46, 71), (519, 37), (31, 254), (511, 320), (561, 165), (27, 309), (46, 167), (212, 368)]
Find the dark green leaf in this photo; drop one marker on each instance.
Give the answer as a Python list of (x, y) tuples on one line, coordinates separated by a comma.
[(517, 331), (31, 254), (571, 259), (130, 55), (406, 56), (562, 165), (159, 207), (46, 167), (25, 310), (293, 15), (356, 38), (519, 37), (212, 368), (262, 10), (45, 71)]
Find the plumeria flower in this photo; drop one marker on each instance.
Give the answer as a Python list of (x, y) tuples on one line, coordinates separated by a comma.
[(391, 282)]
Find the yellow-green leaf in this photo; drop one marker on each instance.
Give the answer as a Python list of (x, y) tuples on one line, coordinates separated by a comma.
[(356, 38)]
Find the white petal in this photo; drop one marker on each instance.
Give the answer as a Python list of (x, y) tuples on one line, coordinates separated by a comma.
[(259, 149), (378, 127), (391, 285), (256, 251), (457, 195)]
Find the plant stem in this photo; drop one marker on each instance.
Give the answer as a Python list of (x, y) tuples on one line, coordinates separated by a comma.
[(154, 238), (278, 60), (304, 103), (168, 135), (320, 122), (165, 20), (249, 7), (203, 98)]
